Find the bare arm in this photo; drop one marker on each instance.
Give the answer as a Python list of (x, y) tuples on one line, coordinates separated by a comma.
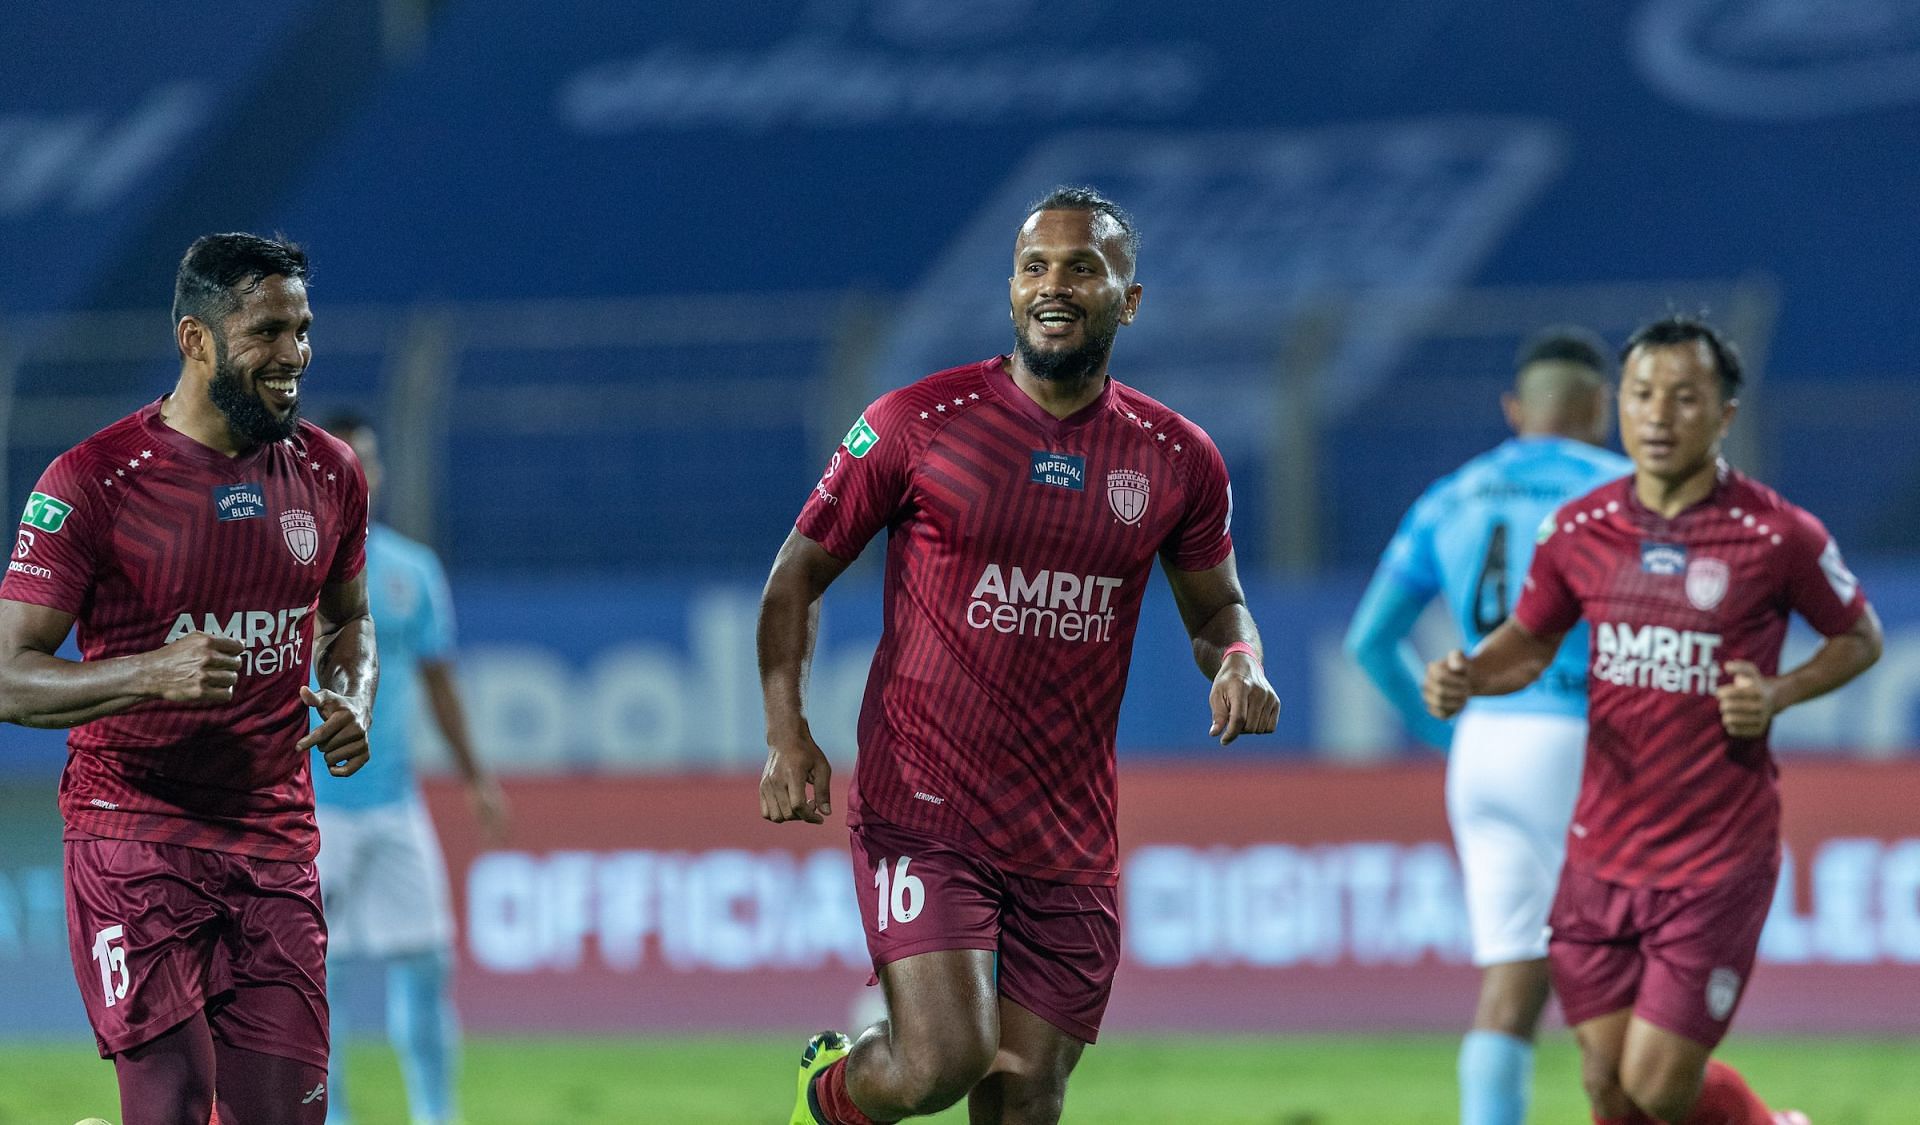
[(348, 671), (789, 622), (39, 689), (1214, 609), (1751, 700), (1509, 659), (483, 792)]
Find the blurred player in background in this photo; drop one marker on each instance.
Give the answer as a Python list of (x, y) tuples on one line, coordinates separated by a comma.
[(1687, 572), (1515, 761), (197, 542), (1026, 498), (382, 876)]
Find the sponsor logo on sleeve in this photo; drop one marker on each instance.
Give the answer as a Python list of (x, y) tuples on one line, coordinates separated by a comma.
[(48, 513), (1127, 494), (1844, 584), (302, 533), (1707, 581), (861, 438), (1545, 531), (1662, 558), (1061, 470), (239, 502), (23, 546)]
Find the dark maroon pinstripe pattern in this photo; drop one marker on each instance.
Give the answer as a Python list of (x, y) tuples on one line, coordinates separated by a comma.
[(1668, 799), (144, 555), (991, 719)]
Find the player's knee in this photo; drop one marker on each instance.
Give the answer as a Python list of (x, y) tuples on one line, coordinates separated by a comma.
[(1662, 1096), (1601, 1078), (936, 1074), (1034, 1100)]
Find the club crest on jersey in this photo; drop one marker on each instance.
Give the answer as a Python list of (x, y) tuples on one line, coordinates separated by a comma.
[(1723, 989), (239, 502), (1662, 558), (302, 533), (1127, 494), (1707, 581), (1061, 470)]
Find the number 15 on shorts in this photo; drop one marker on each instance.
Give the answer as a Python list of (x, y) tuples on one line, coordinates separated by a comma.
[(900, 894), (112, 959)]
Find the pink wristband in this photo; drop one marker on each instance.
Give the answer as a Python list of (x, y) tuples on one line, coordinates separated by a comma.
[(1240, 646)]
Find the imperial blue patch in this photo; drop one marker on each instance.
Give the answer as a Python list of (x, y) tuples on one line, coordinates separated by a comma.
[(239, 501), (1662, 558), (1061, 470)]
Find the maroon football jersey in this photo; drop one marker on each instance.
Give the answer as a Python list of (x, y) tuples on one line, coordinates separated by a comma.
[(1018, 549), (1668, 798), (145, 536)]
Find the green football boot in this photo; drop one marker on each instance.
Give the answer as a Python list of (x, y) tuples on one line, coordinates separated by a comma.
[(820, 1052)]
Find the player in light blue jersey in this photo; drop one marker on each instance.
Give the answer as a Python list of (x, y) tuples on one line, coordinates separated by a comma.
[(383, 881), (1514, 767)]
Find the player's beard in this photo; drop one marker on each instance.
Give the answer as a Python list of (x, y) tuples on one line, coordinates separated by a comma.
[(1075, 365), (248, 419)]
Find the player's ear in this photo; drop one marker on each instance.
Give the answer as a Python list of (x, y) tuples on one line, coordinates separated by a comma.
[(190, 336)]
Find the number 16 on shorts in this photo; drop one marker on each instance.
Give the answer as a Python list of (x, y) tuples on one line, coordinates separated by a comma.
[(900, 894)]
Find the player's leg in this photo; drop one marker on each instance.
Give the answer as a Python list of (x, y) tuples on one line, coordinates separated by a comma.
[(1603, 1041), (142, 936), (411, 921), (1027, 1084), (1700, 946), (169, 1078), (1595, 963), (257, 1088), (1511, 784), (425, 1034), (343, 865), (932, 918), (1059, 947), (270, 1028)]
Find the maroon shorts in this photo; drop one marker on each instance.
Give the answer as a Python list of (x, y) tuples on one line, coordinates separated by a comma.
[(159, 932), (1057, 943), (1679, 957)]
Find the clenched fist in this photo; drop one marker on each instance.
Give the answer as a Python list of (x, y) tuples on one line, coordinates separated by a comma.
[(1448, 686), (1746, 704), (199, 668)]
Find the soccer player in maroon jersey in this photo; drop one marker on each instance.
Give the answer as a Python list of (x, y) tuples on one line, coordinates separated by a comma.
[(1687, 572), (1025, 499), (196, 543)]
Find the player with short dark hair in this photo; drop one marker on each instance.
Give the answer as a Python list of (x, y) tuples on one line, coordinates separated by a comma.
[(1026, 498), (1686, 571), (196, 543), (1513, 764)]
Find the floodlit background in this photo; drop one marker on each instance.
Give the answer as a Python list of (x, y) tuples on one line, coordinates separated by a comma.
[(615, 278)]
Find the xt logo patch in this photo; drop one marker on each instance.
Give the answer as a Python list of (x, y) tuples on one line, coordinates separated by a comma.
[(315, 1094), (45, 512), (861, 438)]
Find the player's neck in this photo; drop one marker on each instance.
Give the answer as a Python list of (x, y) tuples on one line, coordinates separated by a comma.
[(195, 415), (1060, 399), (1668, 498)]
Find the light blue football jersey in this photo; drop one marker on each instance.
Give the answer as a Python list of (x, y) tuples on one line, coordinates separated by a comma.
[(413, 622), (1469, 539)]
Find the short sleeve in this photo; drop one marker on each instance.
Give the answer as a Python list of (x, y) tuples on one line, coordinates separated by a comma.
[(1410, 560), (1820, 588), (1204, 537), (57, 549), (866, 483), (435, 635), (350, 557), (1548, 605)]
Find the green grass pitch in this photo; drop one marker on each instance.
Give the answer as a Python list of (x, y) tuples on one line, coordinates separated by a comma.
[(1377, 1080)]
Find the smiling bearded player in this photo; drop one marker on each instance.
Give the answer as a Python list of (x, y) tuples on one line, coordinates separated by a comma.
[(1025, 499), (201, 545)]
